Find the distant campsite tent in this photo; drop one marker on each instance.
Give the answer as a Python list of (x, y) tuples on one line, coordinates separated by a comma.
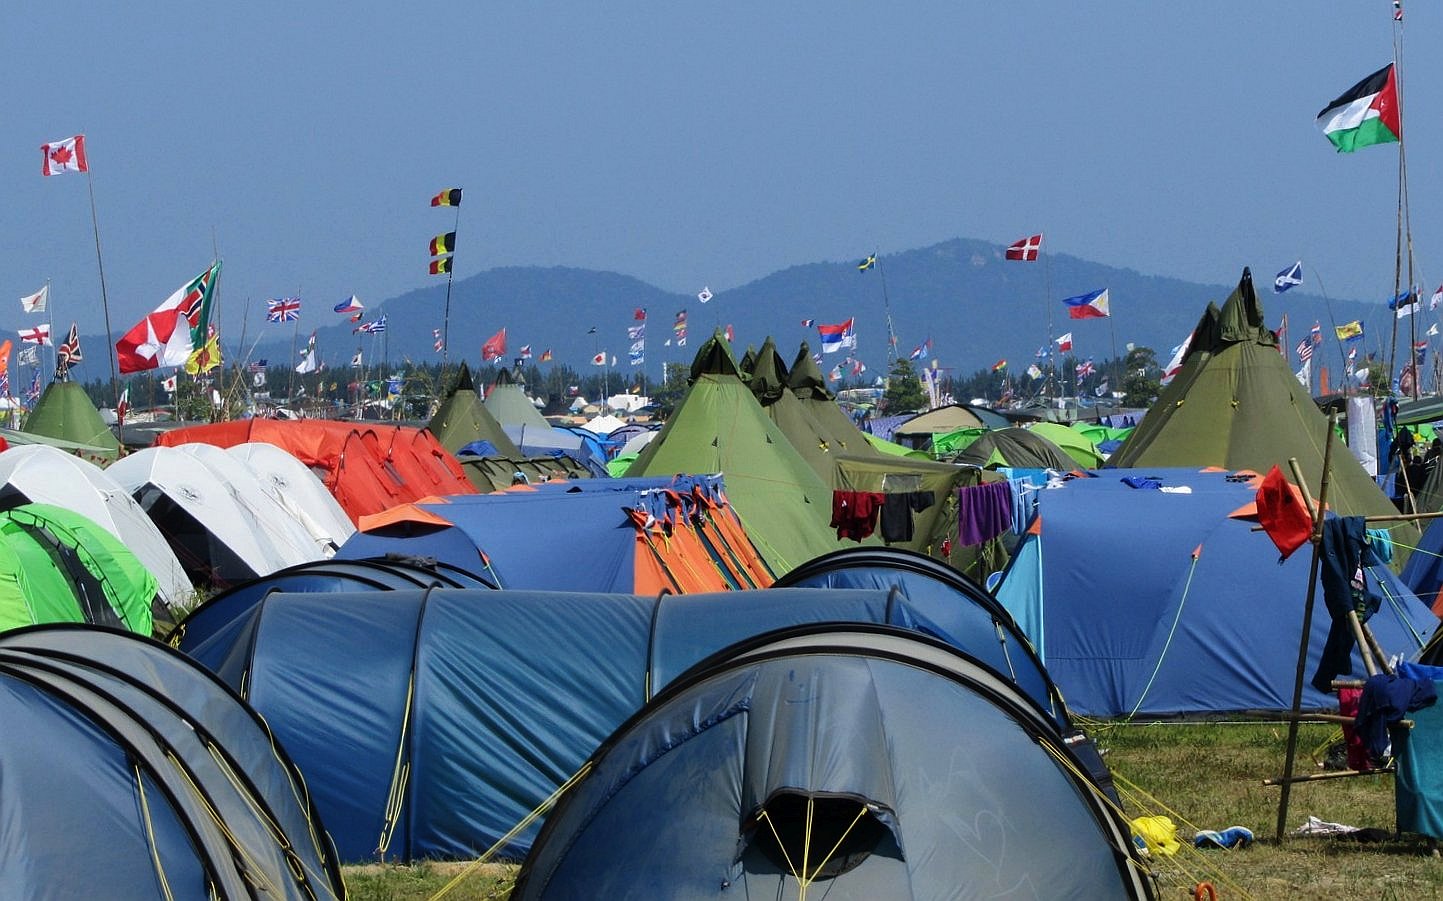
[(66, 412), (1236, 405), (1156, 602), (56, 566), (635, 535), (719, 427), (430, 722), (768, 383), (1015, 447), (296, 487), (463, 418), (131, 772), (831, 422), (37, 473), (508, 404), (489, 474), (917, 432), (833, 756), (1072, 442)]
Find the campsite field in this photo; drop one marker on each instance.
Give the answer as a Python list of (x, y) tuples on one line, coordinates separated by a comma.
[(1203, 776)]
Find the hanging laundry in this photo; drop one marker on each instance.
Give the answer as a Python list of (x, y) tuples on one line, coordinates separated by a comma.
[(854, 513), (897, 511), (983, 512)]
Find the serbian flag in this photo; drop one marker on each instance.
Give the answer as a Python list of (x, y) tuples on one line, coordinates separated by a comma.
[(1366, 113), (64, 156), (448, 197), (494, 348), (837, 337), (1025, 249), (174, 330), (1092, 305)]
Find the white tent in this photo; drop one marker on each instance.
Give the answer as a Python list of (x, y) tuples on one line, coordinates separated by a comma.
[(229, 532), (604, 424), (298, 489), (38, 473)]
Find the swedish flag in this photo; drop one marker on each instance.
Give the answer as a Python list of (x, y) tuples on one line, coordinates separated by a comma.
[(868, 263)]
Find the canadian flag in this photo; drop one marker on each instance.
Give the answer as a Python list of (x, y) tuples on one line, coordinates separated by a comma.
[(64, 156)]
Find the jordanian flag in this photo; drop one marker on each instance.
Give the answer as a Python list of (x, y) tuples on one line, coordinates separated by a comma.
[(1367, 113)]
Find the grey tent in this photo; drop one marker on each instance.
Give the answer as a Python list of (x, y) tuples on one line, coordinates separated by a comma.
[(860, 762), (132, 772)]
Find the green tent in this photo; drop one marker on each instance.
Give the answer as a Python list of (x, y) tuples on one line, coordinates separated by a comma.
[(462, 418), (509, 405), (66, 412), (719, 427), (831, 421), (57, 566), (1073, 443), (1015, 447), (1236, 405), (949, 444), (807, 436), (892, 449)]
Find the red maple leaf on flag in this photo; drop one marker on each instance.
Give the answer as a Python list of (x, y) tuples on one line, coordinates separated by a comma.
[(61, 154)]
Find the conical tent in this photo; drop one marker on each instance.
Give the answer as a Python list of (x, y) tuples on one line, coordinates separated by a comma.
[(1236, 405), (832, 423), (769, 387), (132, 772), (831, 757), (462, 419), (66, 412), (510, 406), (719, 427)]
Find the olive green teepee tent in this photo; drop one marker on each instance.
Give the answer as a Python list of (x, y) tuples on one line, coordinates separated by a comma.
[(1236, 405), (831, 423), (66, 412), (719, 427), (462, 418), (509, 405)]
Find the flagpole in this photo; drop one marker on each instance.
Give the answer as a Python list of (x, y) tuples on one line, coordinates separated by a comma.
[(1047, 312), (887, 308), (104, 299), (446, 312)]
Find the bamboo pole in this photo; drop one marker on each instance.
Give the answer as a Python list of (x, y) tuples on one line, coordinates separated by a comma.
[(1364, 649), (1335, 774), (1313, 569)]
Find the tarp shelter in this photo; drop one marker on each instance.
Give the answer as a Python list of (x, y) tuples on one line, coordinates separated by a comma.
[(66, 412), (132, 772), (625, 535), (463, 418), (1158, 602), (430, 722), (368, 467), (1016, 447), (1236, 405), (221, 533), (37, 473), (720, 428), (831, 758), (56, 566)]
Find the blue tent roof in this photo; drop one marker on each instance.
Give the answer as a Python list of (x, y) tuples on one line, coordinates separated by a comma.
[(509, 692), (1127, 620)]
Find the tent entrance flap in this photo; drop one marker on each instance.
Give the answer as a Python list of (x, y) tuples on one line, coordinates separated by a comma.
[(816, 836)]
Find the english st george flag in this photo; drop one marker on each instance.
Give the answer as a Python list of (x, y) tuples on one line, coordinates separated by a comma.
[(1366, 113)]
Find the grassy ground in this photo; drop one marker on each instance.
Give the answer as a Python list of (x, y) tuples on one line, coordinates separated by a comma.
[(1202, 777)]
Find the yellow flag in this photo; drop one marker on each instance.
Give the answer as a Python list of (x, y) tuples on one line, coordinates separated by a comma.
[(206, 358)]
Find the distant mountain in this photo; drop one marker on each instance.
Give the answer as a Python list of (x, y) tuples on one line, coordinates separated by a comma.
[(975, 306)]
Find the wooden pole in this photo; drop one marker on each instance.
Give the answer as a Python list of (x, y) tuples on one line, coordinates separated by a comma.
[(1364, 649), (1336, 774), (1314, 567)]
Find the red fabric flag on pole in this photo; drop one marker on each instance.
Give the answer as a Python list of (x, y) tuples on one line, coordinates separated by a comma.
[(495, 347), (64, 156), (1025, 249)]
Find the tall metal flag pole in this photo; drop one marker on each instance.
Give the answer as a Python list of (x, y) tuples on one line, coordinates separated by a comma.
[(887, 308), (105, 304), (450, 274)]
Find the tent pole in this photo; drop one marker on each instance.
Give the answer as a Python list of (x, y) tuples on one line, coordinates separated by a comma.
[(1317, 540)]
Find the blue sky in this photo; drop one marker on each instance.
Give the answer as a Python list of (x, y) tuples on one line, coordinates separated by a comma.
[(692, 146)]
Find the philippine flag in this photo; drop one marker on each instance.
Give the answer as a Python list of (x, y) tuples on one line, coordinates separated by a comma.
[(351, 304), (837, 337), (1092, 305)]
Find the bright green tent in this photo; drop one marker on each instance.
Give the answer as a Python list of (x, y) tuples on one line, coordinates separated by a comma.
[(59, 567), (1073, 443), (1236, 405), (947, 445), (462, 418), (66, 412), (719, 427), (893, 449)]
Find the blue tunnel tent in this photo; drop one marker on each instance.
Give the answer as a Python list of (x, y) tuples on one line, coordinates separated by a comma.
[(861, 762), (964, 615), (141, 775), (459, 712), (1157, 601), (211, 628)]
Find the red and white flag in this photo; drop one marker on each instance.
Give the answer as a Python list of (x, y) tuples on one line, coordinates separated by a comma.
[(599, 359), (1025, 249), (64, 156), (123, 406), (38, 335), (494, 347)]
